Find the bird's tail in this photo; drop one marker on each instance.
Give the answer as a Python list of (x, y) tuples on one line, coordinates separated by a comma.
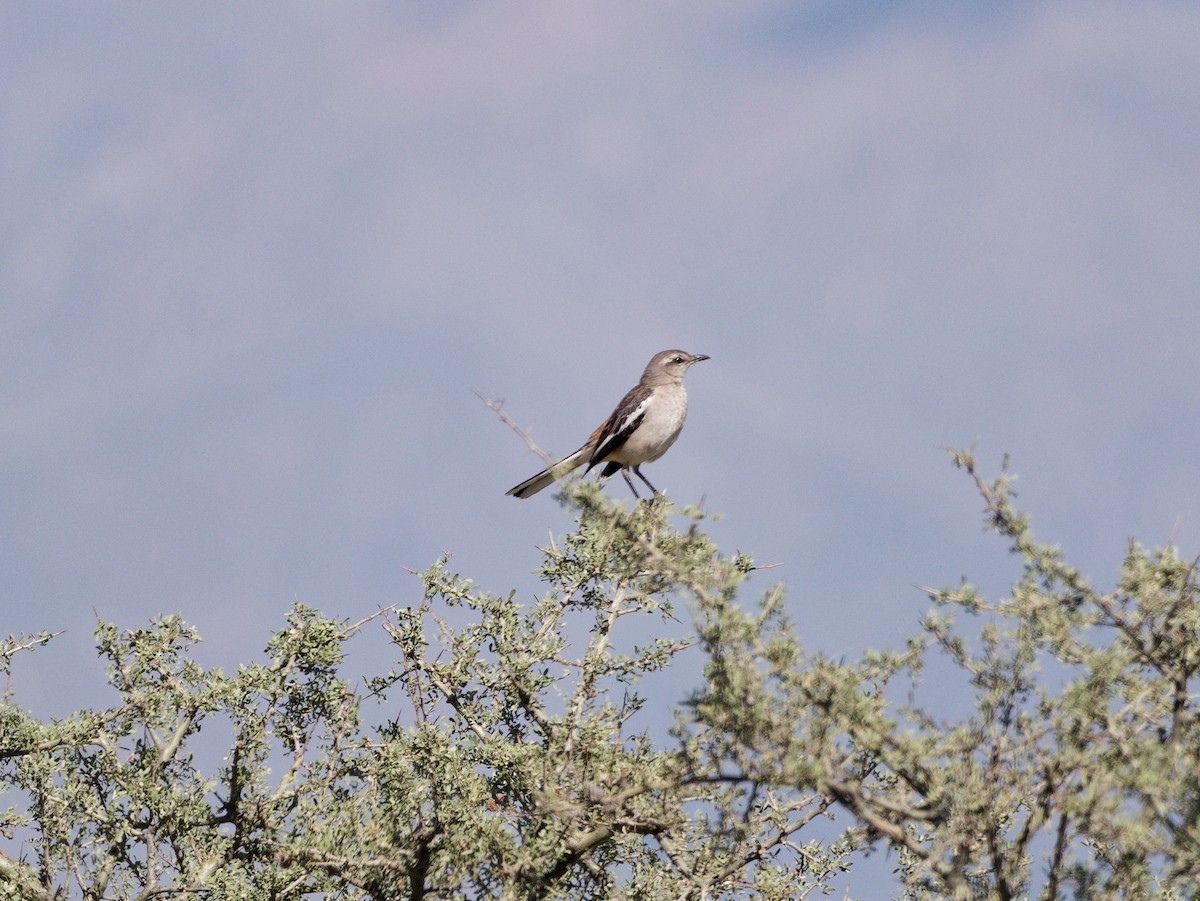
[(550, 474)]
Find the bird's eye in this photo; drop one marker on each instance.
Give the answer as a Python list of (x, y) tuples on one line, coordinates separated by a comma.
[(678, 359)]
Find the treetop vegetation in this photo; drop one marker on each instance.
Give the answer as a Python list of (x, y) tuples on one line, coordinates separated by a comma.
[(508, 751)]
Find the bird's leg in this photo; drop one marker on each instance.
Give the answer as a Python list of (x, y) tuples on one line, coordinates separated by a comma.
[(638, 472), (629, 482)]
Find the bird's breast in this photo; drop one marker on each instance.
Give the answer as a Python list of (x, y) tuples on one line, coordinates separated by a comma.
[(665, 413)]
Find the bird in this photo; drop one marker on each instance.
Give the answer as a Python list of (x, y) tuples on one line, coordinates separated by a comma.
[(640, 430)]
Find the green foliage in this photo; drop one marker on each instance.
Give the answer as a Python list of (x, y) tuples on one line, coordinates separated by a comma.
[(516, 757), (1076, 774)]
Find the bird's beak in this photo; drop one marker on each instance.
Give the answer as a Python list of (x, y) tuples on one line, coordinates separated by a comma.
[(696, 358)]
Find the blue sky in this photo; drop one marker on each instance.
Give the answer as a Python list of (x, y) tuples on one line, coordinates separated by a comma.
[(254, 259)]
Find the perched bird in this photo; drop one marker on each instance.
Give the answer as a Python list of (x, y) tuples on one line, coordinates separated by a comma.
[(640, 430)]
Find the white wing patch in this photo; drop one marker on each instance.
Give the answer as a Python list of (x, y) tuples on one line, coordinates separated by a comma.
[(636, 413), (621, 431)]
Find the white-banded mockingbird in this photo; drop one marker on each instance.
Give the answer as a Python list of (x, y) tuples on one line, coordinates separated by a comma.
[(640, 430)]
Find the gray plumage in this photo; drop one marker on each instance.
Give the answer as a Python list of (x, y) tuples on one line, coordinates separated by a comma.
[(640, 430)]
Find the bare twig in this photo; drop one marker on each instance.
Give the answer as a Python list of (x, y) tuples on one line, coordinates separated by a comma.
[(497, 406), (382, 611)]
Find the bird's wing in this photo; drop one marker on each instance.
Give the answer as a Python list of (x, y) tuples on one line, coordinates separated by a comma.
[(625, 419)]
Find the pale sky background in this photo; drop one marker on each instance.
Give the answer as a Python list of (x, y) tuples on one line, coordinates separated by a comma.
[(254, 257)]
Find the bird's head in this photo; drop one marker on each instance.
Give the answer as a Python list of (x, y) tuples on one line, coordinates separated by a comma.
[(669, 366)]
